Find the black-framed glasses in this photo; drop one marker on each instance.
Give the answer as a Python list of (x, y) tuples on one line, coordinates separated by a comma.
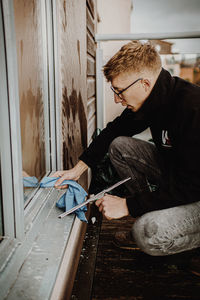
[(119, 94)]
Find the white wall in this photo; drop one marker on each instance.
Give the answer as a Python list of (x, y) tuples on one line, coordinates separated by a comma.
[(115, 17), (168, 16)]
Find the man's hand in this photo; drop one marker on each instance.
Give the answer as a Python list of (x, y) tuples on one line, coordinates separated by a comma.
[(72, 174), (112, 207)]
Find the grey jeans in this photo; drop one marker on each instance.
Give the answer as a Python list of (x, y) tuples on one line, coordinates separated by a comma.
[(160, 232)]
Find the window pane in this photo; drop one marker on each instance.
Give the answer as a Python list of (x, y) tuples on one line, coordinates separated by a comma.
[(30, 73), (165, 16), (184, 65)]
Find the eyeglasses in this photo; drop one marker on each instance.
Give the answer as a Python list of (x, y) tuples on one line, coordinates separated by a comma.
[(119, 94)]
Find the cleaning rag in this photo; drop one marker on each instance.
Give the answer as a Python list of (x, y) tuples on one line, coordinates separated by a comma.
[(30, 181), (74, 195)]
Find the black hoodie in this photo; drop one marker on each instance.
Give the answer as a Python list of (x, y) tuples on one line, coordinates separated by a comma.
[(172, 111)]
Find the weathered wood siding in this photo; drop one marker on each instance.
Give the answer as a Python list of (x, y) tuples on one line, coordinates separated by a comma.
[(76, 54), (71, 20), (91, 14), (30, 75)]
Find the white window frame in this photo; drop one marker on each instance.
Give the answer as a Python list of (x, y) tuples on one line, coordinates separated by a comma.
[(21, 226)]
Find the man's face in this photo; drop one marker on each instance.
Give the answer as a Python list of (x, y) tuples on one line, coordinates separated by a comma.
[(135, 95)]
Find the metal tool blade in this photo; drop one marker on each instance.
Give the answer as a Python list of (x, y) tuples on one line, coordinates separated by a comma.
[(94, 198)]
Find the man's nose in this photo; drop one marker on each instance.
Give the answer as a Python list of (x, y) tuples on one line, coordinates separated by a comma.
[(117, 99)]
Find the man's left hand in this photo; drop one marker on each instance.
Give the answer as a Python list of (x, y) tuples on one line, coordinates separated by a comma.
[(112, 207)]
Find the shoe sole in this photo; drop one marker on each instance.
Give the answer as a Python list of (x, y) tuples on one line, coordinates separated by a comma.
[(195, 273), (126, 247)]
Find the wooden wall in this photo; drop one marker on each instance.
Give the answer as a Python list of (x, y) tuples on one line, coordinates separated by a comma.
[(91, 14), (71, 21), (76, 54)]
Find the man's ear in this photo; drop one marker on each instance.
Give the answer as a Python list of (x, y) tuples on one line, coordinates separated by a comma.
[(146, 84)]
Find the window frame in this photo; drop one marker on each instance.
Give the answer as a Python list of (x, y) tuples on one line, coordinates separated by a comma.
[(11, 161), (22, 225)]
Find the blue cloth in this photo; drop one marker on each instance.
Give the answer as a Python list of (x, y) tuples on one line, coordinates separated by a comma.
[(30, 182), (74, 195)]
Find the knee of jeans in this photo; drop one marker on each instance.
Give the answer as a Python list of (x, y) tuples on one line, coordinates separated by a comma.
[(116, 143), (145, 232)]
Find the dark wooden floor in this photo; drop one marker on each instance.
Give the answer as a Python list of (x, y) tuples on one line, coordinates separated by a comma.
[(124, 274)]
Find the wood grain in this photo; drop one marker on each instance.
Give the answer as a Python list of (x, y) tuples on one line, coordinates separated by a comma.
[(91, 65), (72, 52), (91, 87), (90, 22), (125, 274), (91, 46)]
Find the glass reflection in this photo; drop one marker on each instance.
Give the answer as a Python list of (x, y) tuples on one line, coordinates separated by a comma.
[(30, 77)]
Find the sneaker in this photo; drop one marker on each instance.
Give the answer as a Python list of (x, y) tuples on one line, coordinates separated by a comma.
[(124, 240), (195, 266)]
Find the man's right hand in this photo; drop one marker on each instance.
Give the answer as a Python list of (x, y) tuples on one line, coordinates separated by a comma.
[(72, 174)]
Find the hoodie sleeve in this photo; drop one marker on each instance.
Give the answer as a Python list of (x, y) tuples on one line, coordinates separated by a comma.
[(124, 125)]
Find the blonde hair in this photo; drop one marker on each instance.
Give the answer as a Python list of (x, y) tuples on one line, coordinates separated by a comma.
[(134, 56)]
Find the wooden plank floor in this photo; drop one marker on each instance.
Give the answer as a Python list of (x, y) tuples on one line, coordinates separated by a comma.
[(124, 274), (83, 283)]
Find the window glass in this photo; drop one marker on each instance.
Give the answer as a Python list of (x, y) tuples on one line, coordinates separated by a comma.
[(165, 16), (30, 78), (184, 65)]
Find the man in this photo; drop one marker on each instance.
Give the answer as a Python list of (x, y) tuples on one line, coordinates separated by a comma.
[(168, 218)]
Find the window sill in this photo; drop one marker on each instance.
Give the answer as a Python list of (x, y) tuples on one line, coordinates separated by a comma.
[(48, 256)]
